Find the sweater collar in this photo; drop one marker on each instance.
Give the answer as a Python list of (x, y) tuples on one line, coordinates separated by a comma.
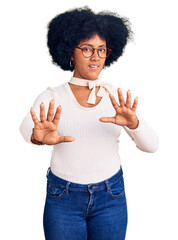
[(91, 85)]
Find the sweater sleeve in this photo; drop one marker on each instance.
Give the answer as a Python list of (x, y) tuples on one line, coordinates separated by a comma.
[(144, 136), (27, 123)]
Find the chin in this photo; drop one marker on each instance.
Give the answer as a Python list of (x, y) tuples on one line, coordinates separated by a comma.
[(90, 75), (93, 76)]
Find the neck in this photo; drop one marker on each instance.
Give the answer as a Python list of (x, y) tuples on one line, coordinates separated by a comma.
[(83, 78), (82, 84)]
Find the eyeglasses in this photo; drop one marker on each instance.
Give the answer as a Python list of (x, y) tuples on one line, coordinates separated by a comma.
[(88, 51)]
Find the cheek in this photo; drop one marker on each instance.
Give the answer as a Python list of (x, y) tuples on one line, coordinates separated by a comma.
[(103, 62), (78, 57), (79, 62), (102, 65)]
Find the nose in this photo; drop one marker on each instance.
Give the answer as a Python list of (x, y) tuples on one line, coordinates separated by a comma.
[(95, 54)]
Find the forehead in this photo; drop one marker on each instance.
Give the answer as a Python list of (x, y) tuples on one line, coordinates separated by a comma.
[(94, 41)]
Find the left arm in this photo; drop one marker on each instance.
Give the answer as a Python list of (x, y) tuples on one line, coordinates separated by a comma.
[(129, 117), (144, 136)]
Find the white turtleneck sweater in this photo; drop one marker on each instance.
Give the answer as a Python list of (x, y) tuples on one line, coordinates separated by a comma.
[(93, 156)]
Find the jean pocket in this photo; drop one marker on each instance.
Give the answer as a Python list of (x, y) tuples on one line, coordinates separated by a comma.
[(54, 190), (117, 189)]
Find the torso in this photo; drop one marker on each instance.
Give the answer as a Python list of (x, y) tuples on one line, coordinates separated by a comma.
[(81, 93)]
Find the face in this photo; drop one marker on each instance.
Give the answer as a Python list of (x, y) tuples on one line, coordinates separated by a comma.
[(88, 68)]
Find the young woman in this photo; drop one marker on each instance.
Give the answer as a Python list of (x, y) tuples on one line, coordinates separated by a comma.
[(83, 119)]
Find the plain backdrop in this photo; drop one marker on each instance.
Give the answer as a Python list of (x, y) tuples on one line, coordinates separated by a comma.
[(148, 68)]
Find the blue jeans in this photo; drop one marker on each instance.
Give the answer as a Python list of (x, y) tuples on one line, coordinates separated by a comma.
[(96, 211)]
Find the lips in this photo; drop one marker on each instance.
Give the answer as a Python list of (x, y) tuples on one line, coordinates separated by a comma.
[(93, 66)]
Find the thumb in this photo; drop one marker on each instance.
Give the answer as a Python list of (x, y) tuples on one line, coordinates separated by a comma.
[(65, 139), (108, 119)]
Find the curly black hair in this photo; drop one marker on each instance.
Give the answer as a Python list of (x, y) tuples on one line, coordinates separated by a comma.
[(67, 30)]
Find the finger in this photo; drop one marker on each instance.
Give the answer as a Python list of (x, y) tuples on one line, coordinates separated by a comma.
[(134, 106), (121, 98), (65, 139), (33, 115), (50, 110), (128, 101), (57, 115), (42, 112), (108, 119), (113, 101)]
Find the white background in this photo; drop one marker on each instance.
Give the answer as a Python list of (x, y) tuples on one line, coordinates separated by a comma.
[(147, 68)]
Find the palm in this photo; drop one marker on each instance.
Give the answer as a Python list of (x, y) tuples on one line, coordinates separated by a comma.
[(124, 117), (125, 114), (46, 130)]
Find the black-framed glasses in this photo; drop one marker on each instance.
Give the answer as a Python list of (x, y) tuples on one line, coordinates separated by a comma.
[(88, 51)]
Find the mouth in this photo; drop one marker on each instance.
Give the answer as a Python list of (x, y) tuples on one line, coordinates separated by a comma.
[(93, 66)]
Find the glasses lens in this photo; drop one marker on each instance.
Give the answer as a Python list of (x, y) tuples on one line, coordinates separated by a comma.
[(102, 52), (87, 51)]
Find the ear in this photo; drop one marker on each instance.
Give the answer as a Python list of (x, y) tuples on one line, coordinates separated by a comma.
[(72, 57)]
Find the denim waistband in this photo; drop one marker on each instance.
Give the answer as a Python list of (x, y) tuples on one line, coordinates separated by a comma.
[(84, 187)]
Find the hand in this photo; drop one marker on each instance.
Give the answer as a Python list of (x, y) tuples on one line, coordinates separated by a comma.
[(45, 131), (125, 114)]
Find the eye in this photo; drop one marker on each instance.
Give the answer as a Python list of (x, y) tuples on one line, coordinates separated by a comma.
[(86, 49), (102, 50)]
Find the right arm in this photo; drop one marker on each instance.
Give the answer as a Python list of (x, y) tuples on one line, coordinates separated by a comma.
[(39, 124), (27, 124)]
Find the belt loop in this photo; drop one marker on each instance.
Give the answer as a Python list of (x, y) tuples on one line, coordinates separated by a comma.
[(48, 172), (107, 185), (67, 186)]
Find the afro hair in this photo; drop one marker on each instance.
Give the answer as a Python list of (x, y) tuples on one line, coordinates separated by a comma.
[(67, 30)]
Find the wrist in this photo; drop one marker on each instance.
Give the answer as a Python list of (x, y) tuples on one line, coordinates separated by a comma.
[(134, 126), (33, 140)]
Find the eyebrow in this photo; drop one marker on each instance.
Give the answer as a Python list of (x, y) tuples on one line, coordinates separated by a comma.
[(92, 45)]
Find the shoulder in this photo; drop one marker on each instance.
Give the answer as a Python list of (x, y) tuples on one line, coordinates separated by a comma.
[(56, 89)]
